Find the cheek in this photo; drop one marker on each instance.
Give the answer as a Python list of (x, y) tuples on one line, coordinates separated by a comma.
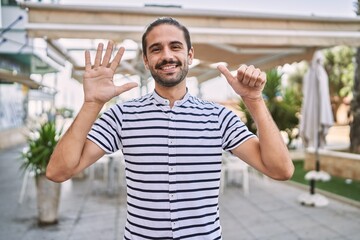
[(151, 63)]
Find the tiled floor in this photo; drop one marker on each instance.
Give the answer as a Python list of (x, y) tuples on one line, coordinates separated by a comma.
[(87, 211)]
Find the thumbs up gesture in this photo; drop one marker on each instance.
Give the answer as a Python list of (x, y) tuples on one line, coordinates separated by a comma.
[(248, 82)]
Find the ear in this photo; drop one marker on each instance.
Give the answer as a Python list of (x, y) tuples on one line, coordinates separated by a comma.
[(146, 62), (191, 55)]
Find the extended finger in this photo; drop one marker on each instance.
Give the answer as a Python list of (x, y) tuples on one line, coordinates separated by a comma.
[(115, 62), (87, 60), (98, 55), (108, 53), (125, 87), (225, 71)]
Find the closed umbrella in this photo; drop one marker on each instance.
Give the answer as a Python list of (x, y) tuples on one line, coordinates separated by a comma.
[(316, 119), (316, 113)]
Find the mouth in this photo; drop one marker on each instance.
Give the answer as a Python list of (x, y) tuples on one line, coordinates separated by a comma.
[(168, 68)]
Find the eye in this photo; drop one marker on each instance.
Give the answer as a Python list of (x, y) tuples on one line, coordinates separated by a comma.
[(176, 46), (155, 49)]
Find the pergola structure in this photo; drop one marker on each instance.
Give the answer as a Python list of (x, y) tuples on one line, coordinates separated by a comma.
[(264, 40)]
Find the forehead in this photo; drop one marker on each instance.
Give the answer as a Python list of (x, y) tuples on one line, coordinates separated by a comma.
[(164, 34)]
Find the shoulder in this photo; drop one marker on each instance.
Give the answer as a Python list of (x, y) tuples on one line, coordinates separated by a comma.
[(122, 108), (134, 103), (140, 101), (203, 105)]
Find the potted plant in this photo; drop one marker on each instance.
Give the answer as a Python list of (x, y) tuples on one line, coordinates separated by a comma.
[(40, 145)]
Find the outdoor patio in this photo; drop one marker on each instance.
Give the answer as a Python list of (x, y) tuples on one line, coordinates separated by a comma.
[(88, 211)]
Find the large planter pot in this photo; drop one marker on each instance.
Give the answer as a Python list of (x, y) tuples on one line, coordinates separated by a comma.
[(336, 163), (48, 197)]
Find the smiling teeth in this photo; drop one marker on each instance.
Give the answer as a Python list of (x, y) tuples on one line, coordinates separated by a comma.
[(168, 67)]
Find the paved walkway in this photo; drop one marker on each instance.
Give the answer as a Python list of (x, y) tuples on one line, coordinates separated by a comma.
[(88, 211)]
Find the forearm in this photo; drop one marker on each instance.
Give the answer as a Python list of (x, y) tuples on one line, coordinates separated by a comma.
[(67, 154), (274, 153)]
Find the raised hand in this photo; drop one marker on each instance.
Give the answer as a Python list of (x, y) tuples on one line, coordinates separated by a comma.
[(98, 79), (248, 82)]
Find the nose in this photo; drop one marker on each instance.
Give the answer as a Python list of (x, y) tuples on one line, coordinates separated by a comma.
[(167, 54)]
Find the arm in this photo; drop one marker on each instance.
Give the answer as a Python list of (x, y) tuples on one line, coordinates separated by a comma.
[(74, 152), (267, 153)]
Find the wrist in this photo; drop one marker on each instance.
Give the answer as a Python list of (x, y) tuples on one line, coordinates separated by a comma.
[(252, 100), (256, 107), (92, 106)]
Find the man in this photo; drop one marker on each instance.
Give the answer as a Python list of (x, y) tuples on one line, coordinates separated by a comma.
[(172, 142)]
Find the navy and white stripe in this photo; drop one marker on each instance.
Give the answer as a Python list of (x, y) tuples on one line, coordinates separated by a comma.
[(173, 163)]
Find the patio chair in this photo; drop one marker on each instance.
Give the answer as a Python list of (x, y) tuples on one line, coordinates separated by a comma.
[(232, 169)]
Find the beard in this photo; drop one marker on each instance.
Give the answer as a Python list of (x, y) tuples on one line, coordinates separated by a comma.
[(167, 81)]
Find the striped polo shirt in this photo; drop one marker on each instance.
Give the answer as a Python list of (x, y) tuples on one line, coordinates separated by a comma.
[(172, 163)]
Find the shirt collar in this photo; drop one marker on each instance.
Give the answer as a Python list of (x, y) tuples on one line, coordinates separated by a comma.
[(166, 102)]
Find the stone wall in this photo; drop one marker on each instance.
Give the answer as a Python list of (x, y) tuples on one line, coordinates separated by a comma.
[(336, 163)]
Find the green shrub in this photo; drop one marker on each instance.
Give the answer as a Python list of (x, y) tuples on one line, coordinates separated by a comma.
[(283, 104), (41, 143)]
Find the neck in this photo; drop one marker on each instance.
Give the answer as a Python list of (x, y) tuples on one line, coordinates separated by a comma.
[(171, 93)]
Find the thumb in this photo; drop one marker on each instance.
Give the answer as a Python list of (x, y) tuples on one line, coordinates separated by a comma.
[(225, 71), (125, 87)]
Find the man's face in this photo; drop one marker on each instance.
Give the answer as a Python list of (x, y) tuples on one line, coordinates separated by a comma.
[(167, 56)]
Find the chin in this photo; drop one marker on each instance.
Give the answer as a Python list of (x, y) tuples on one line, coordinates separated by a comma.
[(168, 82)]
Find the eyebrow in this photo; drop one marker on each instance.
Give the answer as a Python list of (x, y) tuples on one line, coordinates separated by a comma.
[(176, 42)]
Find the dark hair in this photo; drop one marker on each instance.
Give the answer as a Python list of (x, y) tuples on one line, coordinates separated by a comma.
[(169, 21)]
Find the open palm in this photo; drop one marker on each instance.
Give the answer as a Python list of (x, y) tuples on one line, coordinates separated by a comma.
[(98, 79)]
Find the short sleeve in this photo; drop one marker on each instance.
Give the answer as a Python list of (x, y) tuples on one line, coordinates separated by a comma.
[(233, 130), (106, 130)]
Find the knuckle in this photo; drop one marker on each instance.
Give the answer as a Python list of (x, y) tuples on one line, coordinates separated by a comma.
[(248, 75)]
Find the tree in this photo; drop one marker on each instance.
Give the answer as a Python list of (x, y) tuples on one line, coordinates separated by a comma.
[(355, 103), (339, 66), (295, 77)]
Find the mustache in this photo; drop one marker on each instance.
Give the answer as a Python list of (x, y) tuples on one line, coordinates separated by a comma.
[(164, 62)]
